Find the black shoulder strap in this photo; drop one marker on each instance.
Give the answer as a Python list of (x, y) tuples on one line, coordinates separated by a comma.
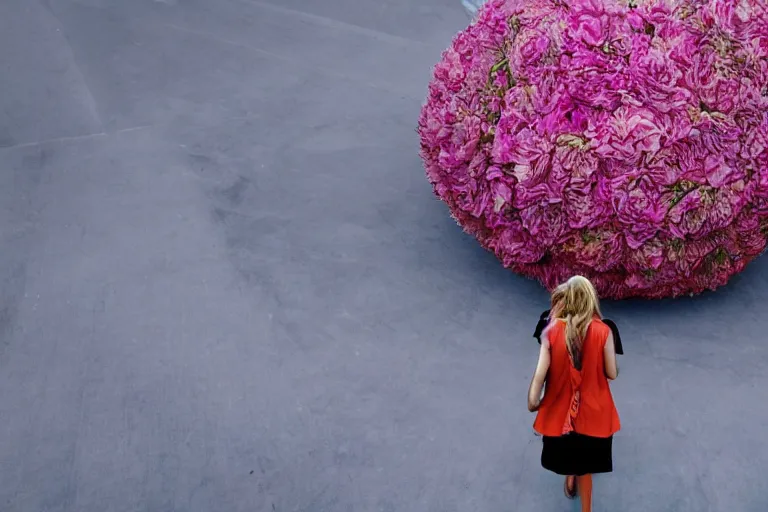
[(544, 319), (616, 335)]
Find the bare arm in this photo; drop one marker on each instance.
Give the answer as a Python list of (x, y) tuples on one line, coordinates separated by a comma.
[(539, 376), (609, 355)]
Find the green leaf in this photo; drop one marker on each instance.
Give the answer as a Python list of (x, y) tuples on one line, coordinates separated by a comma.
[(499, 65)]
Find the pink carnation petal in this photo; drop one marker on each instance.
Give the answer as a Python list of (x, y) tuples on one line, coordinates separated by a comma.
[(629, 144)]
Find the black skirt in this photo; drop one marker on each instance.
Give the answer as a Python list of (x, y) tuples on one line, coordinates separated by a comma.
[(576, 454)]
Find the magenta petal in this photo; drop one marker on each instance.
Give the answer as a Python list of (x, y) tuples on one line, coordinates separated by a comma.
[(629, 144)]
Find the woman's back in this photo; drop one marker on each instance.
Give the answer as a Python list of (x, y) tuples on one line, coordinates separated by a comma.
[(597, 415), (576, 417)]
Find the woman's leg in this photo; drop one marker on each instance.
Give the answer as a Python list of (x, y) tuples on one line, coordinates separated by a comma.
[(585, 492), (570, 487)]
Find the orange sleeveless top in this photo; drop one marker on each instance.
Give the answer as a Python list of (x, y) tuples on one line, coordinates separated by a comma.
[(577, 401)]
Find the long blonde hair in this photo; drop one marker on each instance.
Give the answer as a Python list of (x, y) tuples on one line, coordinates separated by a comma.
[(556, 301), (579, 305)]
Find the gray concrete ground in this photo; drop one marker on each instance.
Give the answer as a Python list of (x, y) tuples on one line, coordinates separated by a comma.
[(226, 285)]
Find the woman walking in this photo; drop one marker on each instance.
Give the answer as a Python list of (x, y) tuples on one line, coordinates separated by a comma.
[(577, 416)]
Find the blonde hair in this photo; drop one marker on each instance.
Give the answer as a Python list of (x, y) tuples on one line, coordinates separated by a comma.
[(579, 306), (556, 301), (558, 294)]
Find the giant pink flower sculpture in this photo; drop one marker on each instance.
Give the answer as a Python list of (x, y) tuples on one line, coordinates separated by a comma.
[(623, 140)]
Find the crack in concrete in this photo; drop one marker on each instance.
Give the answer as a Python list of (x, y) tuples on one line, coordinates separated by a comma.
[(74, 137), (93, 104)]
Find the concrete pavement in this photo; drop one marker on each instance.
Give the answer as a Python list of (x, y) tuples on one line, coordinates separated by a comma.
[(226, 285)]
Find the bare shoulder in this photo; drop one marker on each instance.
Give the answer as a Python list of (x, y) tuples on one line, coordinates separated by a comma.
[(545, 340)]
